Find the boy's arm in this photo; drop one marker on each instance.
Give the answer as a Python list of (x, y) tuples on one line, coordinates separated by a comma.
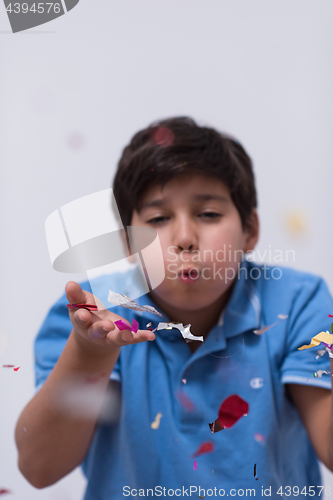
[(52, 441), (314, 405)]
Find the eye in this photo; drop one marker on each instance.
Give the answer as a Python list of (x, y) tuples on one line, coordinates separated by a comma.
[(211, 215), (156, 220)]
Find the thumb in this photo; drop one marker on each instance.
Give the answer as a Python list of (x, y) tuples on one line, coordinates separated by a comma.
[(74, 293)]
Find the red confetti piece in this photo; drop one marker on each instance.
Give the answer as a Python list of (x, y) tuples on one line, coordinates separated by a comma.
[(330, 316), (206, 447), (195, 465), (3, 491), (185, 401), (17, 369), (231, 410), (88, 307), (8, 366)]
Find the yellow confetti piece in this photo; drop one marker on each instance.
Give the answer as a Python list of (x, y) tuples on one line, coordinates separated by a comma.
[(315, 341), (156, 423)]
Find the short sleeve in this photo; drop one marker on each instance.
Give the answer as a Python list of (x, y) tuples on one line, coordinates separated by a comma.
[(308, 317), (51, 340)]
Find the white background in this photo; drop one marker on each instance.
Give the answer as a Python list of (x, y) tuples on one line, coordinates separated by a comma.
[(261, 70)]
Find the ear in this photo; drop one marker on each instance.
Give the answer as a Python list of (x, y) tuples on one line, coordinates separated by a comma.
[(252, 231)]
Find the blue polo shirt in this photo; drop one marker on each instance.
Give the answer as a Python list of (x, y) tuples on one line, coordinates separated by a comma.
[(128, 458)]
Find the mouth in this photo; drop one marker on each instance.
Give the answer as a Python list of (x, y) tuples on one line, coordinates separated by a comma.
[(190, 274)]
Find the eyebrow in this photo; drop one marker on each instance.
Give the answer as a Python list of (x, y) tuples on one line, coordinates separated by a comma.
[(197, 197)]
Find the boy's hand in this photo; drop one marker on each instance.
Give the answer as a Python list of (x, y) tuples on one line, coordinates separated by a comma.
[(98, 326)]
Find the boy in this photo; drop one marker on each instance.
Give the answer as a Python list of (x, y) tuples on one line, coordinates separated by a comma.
[(195, 186)]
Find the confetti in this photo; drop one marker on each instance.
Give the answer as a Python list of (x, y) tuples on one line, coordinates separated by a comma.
[(185, 401), (195, 465), (317, 339), (320, 373), (206, 447), (320, 353), (122, 325), (11, 366), (163, 136), (148, 326), (231, 410), (124, 301), (184, 330), (259, 437), (265, 328), (184, 380), (88, 307), (156, 423), (213, 472), (4, 491), (216, 426)]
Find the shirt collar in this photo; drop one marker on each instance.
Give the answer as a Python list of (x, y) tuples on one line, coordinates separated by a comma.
[(241, 314)]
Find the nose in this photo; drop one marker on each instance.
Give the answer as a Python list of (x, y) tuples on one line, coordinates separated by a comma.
[(185, 235)]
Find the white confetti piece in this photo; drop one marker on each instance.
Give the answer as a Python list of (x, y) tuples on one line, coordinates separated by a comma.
[(184, 330), (123, 300)]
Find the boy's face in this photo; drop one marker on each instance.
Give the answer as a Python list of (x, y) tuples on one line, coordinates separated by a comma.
[(199, 228)]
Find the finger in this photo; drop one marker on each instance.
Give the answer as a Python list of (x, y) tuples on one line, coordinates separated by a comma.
[(100, 329), (138, 337), (82, 318), (74, 293)]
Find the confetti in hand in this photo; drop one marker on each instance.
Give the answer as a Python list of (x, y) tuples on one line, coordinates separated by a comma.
[(184, 330), (206, 447), (123, 300), (265, 328), (320, 373), (88, 307), (156, 423), (122, 325)]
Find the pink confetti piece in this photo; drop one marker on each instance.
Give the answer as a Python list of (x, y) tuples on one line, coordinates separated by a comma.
[(265, 328), (16, 369), (184, 380), (185, 401), (163, 136), (88, 307), (122, 325), (259, 437), (205, 447), (8, 366), (195, 465), (3, 491)]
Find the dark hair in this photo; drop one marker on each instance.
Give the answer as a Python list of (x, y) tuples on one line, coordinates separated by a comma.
[(175, 146)]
